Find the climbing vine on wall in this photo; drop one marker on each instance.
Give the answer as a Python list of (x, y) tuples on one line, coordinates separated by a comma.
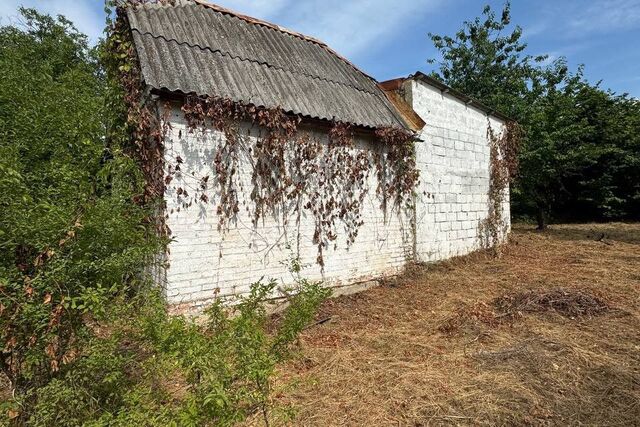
[(293, 171), (397, 172), (140, 128), (503, 166), (340, 190)]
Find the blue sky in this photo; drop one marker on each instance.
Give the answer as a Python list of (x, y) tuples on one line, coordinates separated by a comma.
[(388, 38)]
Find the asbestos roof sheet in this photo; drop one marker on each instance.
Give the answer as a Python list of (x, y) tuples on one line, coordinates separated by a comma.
[(194, 47)]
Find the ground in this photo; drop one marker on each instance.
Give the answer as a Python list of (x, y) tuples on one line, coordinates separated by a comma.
[(548, 334)]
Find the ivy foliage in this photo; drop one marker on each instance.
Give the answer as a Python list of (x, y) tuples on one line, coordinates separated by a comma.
[(581, 145), (293, 170), (503, 166)]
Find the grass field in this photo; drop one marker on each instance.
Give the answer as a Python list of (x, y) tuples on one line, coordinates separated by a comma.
[(549, 334)]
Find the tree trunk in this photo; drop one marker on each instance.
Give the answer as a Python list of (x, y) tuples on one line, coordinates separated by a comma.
[(541, 219)]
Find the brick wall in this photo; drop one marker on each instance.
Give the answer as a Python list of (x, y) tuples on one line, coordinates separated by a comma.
[(204, 261), (453, 157)]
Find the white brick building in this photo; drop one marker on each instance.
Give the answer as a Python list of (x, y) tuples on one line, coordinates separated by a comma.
[(196, 48), (454, 159)]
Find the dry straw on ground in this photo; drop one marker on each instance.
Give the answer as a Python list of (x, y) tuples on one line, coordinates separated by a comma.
[(547, 335)]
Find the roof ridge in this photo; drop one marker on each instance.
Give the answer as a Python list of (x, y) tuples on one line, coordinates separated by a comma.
[(232, 56), (256, 21)]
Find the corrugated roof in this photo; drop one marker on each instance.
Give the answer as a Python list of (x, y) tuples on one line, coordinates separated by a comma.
[(195, 47)]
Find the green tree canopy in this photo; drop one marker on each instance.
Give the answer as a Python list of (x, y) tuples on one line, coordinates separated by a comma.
[(579, 157)]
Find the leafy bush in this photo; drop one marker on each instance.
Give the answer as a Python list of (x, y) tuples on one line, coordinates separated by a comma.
[(144, 366), (70, 237)]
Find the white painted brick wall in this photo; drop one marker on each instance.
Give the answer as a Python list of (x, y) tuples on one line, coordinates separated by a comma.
[(453, 158), (203, 261)]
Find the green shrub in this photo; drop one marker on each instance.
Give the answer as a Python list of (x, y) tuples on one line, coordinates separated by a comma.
[(70, 237), (143, 366)]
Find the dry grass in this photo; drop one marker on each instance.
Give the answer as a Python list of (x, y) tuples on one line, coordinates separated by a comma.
[(566, 353)]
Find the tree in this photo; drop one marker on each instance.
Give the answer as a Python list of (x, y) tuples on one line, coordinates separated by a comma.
[(70, 237), (607, 185), (581, 143), (549, 154), (482, 62)]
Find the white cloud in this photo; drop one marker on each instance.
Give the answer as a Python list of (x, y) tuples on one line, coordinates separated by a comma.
[(576, 20), (87, 15), (531, 31), (606, 16), (262, 9), (355, 26), (350, 27)]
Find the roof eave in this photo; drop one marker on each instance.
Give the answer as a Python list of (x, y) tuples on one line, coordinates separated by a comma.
[(178, 96)]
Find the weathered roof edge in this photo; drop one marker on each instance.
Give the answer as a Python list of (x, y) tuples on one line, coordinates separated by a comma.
[(413, 121), (180, 96), (395, 84)]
